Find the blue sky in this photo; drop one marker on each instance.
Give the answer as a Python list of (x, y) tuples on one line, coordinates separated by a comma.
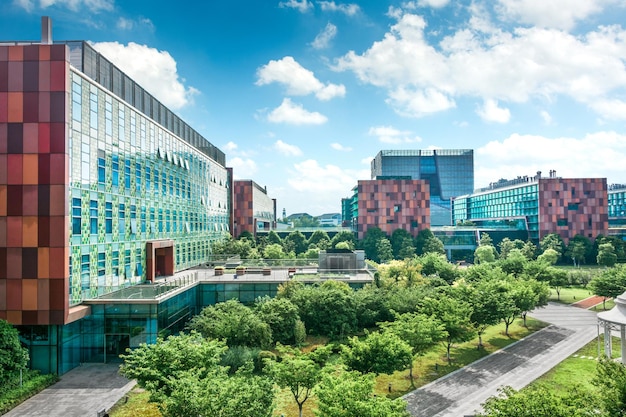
[(300, 94)]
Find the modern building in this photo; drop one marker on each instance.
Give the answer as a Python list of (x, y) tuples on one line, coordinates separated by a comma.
[(253, 209), (329, 219), (391, 204), (566, 206), (102, 188), (449, 172), (617, 206)]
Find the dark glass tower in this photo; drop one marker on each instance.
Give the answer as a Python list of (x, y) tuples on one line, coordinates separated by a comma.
[(449, 172)]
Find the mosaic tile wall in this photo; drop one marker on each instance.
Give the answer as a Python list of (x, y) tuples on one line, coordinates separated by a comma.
[(85, 182), (34, 249), (393, 204), (571, 206), (250, 203)]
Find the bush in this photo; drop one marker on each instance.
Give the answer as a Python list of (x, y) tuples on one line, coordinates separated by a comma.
[(237, 356), (11, 394)]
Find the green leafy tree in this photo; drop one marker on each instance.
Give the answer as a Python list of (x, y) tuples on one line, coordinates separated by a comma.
[(348, 394), (557, 279), (422, 236), (297, 241), (344, 245), (370, 306), (611, 381), (485, 239), (272, 237), (320, 239), (454, 314), (377, 353), (273, 251), (154, 365), (407, 249), (485, 254), (217, 394), (420, 331), (529, 250), (539, 401), (312, 253), (514, 263), (370, 243), (606, 255), (579, 250), (549, 256), (13, 356), (384, 251), (233, 322), (437, 264), (299, 372), (552, 241), (397, 240), (487, 304), (343, 236), (281, 315), (610, 283), (433, 245)]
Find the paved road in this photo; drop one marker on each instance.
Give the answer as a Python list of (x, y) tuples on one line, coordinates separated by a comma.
[(462, 392), (81, 392)]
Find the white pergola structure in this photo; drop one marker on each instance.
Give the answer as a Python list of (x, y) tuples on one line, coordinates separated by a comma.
[(613, 320)]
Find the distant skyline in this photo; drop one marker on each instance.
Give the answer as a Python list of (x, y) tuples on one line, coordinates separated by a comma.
[(301, 95)]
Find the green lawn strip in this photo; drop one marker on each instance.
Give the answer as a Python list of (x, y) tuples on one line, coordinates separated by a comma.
[(569, 295), (609, 304), (136, 406), (32, 382)]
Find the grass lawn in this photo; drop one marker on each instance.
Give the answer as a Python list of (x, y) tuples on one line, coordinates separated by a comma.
[(137, 406), (569, 295)]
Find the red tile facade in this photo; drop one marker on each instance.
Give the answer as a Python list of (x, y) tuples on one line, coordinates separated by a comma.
[(393, 204), (243, 208), (572, 206), (34, 228)]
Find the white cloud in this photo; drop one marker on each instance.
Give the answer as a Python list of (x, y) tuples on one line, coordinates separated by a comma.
[(349, 9), (130, 24), (230, 147), (339, 147), (289, 112), (322, 40), (481, 60), (367, 161), (242, 168), (74, 5), (389, 134), (287, 149), (612, 109), (490, 112), (561, 14), (298, 80), (435, 4), (547, 118), (598, 154), (155, 69), (301, 5)]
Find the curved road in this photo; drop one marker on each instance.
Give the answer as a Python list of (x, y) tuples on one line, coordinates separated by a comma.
[(462, 392)]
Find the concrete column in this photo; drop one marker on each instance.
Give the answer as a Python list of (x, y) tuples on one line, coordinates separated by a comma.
[(622, 330)]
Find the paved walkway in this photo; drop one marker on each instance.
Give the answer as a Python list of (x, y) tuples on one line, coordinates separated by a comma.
[(81, 392), (462, 392)]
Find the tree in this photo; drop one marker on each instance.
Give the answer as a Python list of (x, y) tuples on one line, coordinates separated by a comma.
[(437, 264), (320, 239), (420, 331), (13, 356), (433, 245), (549, 256), (609, 283), (370, 243), (539, 401), (344, 245), (299, 372), (384, 251), (422, 236), (272, 237), (552, 241), (514, 262), (281, 315), (273, 251), (557, 279), (154, 365), (398, 238), (343, 236), (377, 353), (348, 393), (487, 304), (297, 241), (529, 250), (506, 245), (370, 306), (455, 315), (485, 239), (233, 322), (485, 254), (579, 249), (407, 249), (611, 381), (606, 255)]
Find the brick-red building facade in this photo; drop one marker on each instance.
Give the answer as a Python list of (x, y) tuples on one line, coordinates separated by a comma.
[(392, 204)]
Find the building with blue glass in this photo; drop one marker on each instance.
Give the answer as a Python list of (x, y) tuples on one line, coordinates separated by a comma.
[(449, 173), (617, 207), (102, 189)]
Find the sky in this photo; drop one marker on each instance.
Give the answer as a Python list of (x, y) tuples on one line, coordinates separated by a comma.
[(301, 94)]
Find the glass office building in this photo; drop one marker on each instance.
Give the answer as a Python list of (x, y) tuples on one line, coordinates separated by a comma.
[(566, 206), (617, 206), (449, 172), (101, 188)]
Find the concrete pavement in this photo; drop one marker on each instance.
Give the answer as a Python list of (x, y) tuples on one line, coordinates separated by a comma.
[(462, 392), (82, 392)]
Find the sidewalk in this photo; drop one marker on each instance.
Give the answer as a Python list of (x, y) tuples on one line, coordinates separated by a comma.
[(82, 392), (462, 392)]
